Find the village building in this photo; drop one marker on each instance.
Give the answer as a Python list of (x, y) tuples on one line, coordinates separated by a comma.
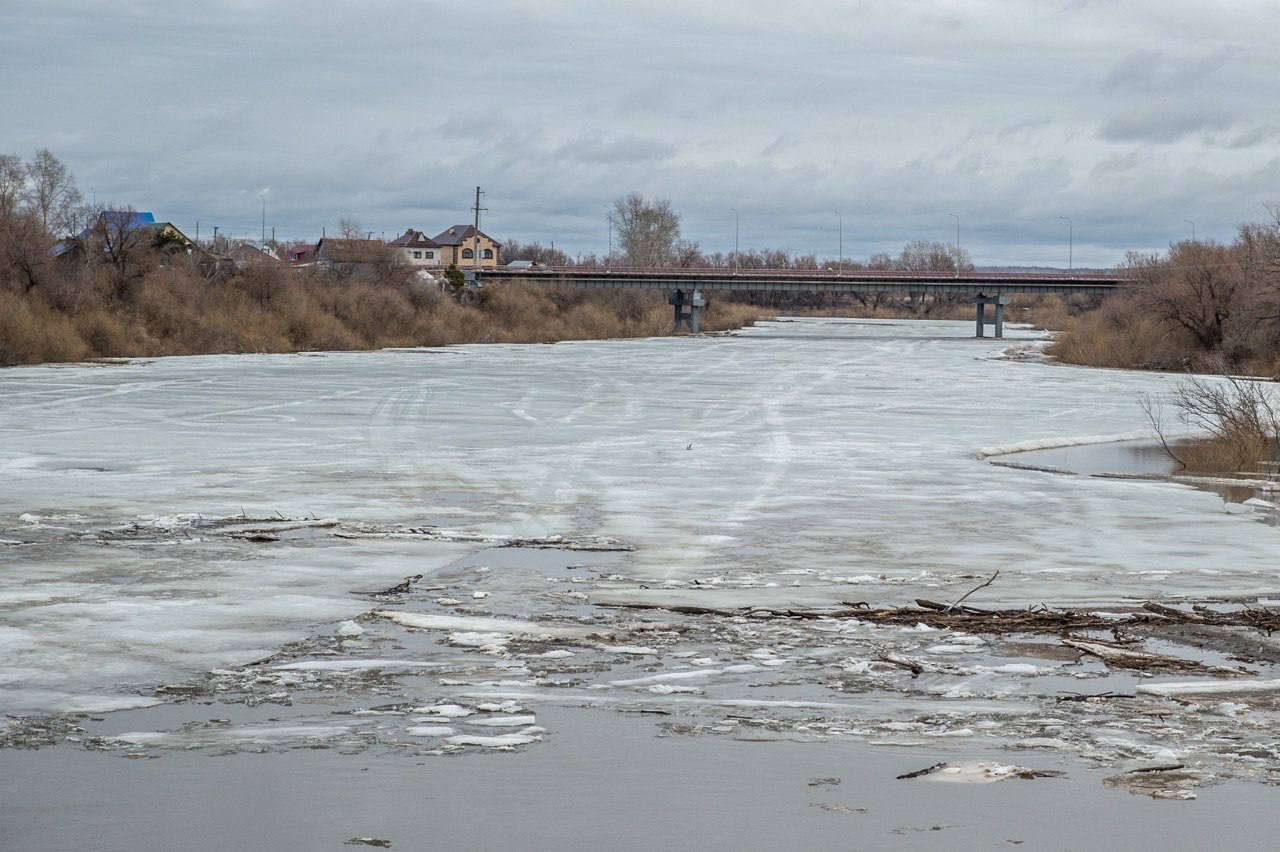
[(344, 254), (463, 246), (246, 254), (417, 249), (119, 226)]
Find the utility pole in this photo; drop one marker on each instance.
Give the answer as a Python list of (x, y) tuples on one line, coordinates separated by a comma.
[(840, 259), (957, 218), (737, 261), (476, 248), (1193, 229), (1070, 242), (215, 237)]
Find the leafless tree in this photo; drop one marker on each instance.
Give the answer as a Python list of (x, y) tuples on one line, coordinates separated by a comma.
[(117, 239), (13, 183), (647, 230), (1195, 289), (25, 262), (51, 191), (926, 256), (1239, 415), (536, 252), (349, 229)]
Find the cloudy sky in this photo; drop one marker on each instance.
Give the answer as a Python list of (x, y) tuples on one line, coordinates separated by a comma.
[(1129, 116)]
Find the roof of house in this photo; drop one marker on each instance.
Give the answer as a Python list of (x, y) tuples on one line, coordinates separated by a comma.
[(459, 234), (413, 239), (246, 253), (350, 251), (123, 220)]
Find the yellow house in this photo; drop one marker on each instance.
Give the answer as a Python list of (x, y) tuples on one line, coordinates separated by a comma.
[(463, 246)]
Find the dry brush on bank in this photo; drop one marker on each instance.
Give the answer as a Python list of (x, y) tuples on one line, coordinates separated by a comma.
[(1188, 310), (173, 308)]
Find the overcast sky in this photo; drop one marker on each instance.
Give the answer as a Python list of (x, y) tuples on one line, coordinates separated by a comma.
[(1130, 116)]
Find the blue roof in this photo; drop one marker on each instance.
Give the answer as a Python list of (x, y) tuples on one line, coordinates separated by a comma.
[(122, 219)]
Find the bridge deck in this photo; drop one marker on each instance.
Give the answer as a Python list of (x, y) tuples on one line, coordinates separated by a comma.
[(860, 281)]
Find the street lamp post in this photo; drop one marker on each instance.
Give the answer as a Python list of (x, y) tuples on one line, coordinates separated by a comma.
[(957, 218), (840, 258), (1193, 229), (608, 260), (1070, 241), (737, 260)]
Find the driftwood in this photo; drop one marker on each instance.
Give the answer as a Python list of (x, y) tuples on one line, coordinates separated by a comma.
[(1040, 619), (928, 770), (991, 580), (1128, 658)]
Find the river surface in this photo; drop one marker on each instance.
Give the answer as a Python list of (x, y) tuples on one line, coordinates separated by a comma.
[(208, 538)]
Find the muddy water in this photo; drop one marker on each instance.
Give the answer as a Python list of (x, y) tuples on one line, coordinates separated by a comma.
[(225, 538)]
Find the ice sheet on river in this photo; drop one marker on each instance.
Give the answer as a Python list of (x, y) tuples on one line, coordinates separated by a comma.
[(814, 461)]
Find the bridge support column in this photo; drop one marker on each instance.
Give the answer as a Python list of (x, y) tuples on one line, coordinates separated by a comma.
[(688, 309), (998, 302)]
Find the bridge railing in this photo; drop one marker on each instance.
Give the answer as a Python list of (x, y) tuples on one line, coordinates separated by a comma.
[(722, 273)]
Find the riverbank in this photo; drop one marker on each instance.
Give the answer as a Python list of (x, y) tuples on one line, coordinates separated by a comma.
[(267, 310)]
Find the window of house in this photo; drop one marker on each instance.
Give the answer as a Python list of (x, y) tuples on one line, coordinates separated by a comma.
[(417, 255), (430, 255), (487, 254), (468, 254)]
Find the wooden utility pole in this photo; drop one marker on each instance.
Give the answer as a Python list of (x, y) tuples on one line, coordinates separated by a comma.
[(475, 250)]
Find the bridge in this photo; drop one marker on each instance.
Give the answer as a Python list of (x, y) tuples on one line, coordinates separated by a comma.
[(687, 287)]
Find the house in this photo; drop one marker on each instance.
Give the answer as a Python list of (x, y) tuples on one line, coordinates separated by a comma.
[(334, 253), (116, 223), (300, 253), (462, 243), (246, 254), (417, 249), (125, 227)]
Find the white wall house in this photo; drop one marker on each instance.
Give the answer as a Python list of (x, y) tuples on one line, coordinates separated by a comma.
[(418, 249)]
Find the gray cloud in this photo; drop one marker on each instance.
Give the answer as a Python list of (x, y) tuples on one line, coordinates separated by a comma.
[(1154, 72), (1126, 116), (1161, 126), (597, 149)]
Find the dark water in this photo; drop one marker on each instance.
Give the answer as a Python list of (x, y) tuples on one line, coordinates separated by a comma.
[(1119, 459), (1123, 458)]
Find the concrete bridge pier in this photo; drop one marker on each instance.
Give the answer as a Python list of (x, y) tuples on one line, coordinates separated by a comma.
[(688, 309), (999, 302)]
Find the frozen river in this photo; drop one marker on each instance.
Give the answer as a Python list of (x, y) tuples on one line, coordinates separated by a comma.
[(163, 520)]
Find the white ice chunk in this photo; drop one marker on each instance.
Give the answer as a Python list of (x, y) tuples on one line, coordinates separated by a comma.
[(502, 721), (1208, 687), (501, 741), (353, 665), (448, 711), (486, 624)]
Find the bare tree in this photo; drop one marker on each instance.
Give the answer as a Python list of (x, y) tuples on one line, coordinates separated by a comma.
[(536, 252), (1195, 290), (51, 191), (349, 229), (1238, 415), (13, 183), (926, 256), (647, 231), (119, 240), (25, 262)]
